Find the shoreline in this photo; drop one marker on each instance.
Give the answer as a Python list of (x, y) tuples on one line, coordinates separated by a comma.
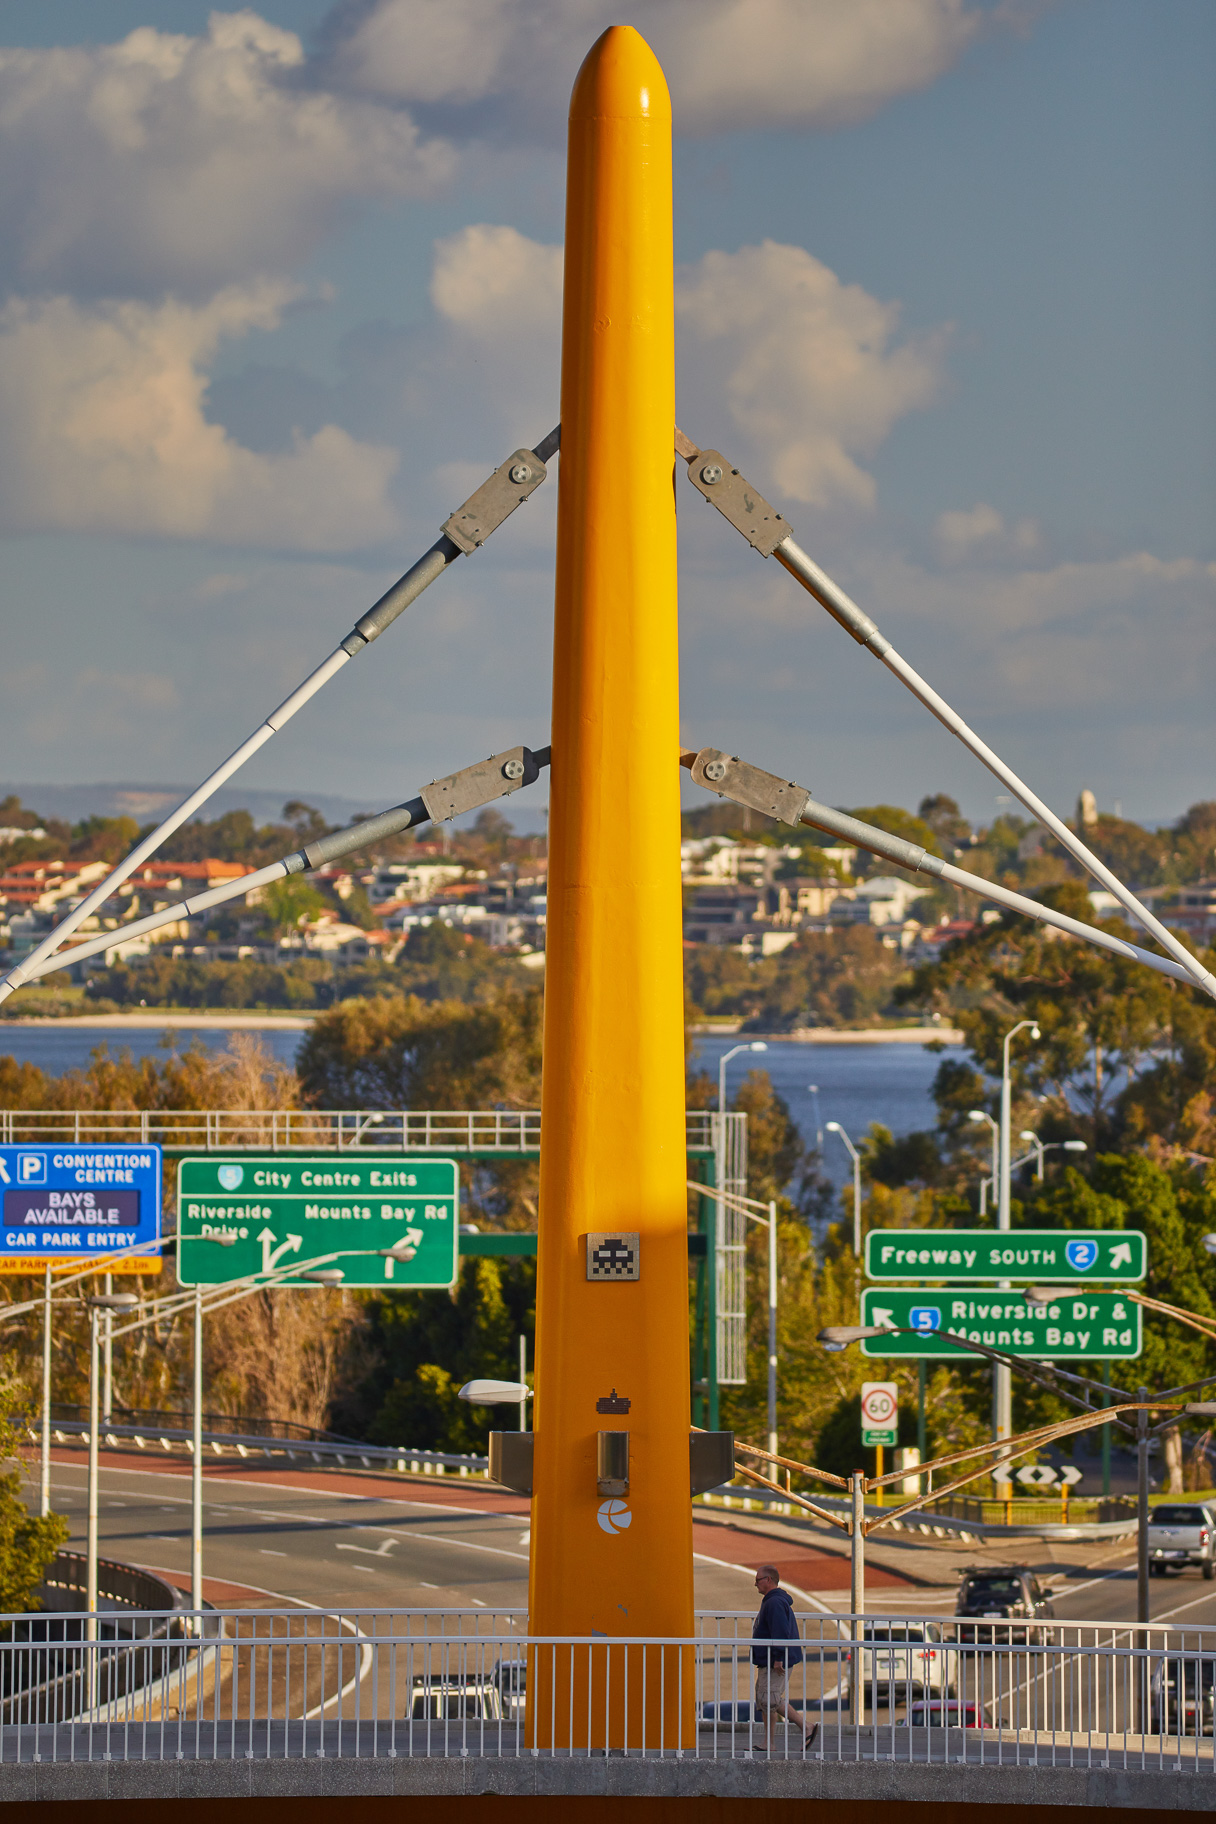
[(292, 1022), (143, 1022), (841, 1035)]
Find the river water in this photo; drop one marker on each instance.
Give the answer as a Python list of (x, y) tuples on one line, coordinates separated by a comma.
[(857, 1083)]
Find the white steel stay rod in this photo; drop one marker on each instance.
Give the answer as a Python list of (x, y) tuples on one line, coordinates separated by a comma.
[(466, 529), (737, 780), (25, 970), (855, 621), (313, 855)]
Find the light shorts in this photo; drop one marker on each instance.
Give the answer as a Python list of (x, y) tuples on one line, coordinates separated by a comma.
[(770, 1686)]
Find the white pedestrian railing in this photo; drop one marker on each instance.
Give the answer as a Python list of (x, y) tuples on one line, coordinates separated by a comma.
[(274, 1684), (495, 1130)]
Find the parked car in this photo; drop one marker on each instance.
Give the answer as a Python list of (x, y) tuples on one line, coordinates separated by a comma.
[(1181, 1694), (455, 1699), (1180, 1534), (943, 1713), (1008, 1593), (511, 1677), (904, 1659)]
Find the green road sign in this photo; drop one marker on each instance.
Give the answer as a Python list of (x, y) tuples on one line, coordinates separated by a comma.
[(1079, 1325), (279, 1208), (1053, 1255)]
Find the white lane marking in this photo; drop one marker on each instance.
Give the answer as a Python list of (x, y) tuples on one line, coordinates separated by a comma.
[(477, 1602), (425, 1507), (429, 1586), (164, 1538), (1169, 1613), (747, 1571), (374, 1551), (364, 1567), (1076, 1588), (267, 1553)]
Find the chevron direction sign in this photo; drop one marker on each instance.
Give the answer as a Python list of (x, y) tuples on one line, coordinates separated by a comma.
[(1099, 1256), (1079, 1325), (266, 1211)]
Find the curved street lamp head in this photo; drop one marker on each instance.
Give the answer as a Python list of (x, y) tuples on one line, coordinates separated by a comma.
[(112, 1301), (400, 1250), (838, 1336), (1044, 1295), (1027, 1134), (978, 1114), (757, 1045), (495, 1393), (833, 1127), (1209, 1242), (1075, 1146), (323, 1276)]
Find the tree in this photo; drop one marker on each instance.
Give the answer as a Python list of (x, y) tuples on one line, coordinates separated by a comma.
[(28, 1542), (1099, 1015), (404, 1053), (285, 904)]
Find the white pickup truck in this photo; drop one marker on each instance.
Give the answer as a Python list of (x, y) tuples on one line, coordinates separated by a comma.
[(906, 1659), (1179, 1534)]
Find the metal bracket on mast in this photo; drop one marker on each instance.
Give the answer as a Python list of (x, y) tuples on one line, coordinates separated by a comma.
[(733, 495), (735, 779)]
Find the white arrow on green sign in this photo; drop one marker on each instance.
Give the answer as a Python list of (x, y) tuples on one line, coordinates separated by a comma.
[(1065, 1255), (276, 1209), (1079, 1325)]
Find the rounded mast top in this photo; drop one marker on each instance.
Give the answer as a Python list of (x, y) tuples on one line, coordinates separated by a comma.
[(620, 78)]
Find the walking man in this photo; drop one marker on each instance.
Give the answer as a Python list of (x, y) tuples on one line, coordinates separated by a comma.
[(774, 1622)]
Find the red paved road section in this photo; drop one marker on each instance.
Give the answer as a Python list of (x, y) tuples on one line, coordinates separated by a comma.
[(445, 1491), (805, 1568)]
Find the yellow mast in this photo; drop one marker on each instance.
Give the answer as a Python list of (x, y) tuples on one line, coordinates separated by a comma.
[(606, 1559)]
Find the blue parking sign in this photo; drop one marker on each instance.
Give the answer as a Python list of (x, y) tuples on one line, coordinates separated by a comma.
[(65, 1203)]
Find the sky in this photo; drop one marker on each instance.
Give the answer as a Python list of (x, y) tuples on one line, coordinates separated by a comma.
[(282, 285)]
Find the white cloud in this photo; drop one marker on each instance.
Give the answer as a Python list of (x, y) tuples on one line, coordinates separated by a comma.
[(806, 367), (167, 162), (981, 530), (730, 63), (102, 428), (1070, 638)]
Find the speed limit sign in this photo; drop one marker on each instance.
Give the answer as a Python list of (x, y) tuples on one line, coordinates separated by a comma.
[(879, 1412)]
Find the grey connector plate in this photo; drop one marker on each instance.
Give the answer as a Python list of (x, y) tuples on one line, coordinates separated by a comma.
[(733, 778), (511, 1460), (476, 785), (507, 488), (711, 1459), (735, 498)]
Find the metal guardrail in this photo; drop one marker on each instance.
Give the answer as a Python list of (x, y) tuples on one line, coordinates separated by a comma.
[(43, 1674), (510, 1132), (289, 1684), (935, 1522), (320, 1451)]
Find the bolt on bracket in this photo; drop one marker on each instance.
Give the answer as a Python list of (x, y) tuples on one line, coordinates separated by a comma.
[(735, 498), (735, 779), (507, 488), (480, 784)]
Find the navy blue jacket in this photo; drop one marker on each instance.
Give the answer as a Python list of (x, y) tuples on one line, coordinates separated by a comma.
[(776, 1622)]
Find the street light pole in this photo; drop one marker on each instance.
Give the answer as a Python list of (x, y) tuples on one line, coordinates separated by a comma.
[(1142, 1508), (1002, 1381), (813, 1091), (834, 1127), (90, 1573), (715, 1265), (772, 1327)]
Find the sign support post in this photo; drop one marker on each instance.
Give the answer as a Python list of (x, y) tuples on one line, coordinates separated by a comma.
[(44, 1478), (612, 1256)]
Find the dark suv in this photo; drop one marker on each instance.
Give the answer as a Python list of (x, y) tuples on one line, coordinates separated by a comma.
[(1008, 1593)]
